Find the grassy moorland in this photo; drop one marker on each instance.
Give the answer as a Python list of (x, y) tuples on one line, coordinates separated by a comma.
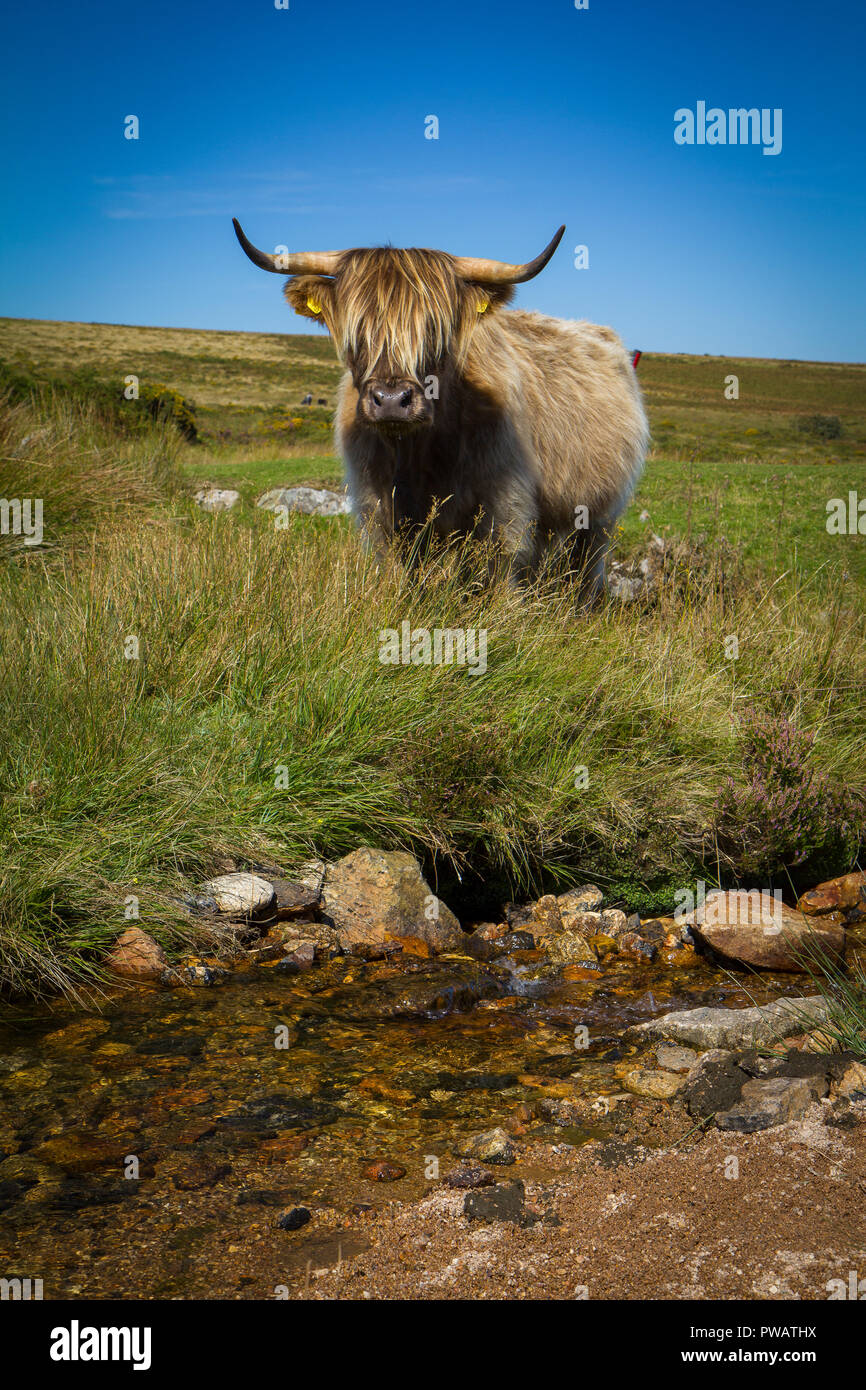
[(257, 650)]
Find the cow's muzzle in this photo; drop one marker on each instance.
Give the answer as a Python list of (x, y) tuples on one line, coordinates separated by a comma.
[(394, 405)]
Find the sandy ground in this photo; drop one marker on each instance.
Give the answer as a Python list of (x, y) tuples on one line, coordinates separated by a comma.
[(784, 1219)]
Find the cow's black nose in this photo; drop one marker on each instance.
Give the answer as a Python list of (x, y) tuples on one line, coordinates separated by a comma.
[(392, 400)]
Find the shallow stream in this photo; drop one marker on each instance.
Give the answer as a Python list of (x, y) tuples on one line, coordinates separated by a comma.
[(150, 1144)]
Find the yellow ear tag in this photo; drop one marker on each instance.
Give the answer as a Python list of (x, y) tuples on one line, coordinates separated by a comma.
[(313, 306), (483, 307)]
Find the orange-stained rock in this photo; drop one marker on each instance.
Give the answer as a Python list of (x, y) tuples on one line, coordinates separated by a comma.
[(413, 946), (283, 1149), (383, 1170), (491, 931), (580, 972), (136, 956), (846, 895)]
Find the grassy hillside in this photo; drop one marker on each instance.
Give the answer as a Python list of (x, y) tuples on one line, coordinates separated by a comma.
[(258, 649)]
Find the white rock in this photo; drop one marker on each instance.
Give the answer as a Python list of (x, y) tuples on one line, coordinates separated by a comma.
[(313, 501), (732, 1028), (217, 499), (239, 894)]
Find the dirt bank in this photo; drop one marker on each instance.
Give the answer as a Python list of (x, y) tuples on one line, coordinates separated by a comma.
[(779, 1223)]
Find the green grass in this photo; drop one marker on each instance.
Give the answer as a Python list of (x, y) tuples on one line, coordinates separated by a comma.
[(775, 514), (258, 648), (252, 475)]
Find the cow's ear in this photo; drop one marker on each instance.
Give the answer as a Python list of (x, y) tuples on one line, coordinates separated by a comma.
[(310, 295), (484, 299)]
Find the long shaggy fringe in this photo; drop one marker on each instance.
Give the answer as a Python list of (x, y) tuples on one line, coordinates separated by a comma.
[(401, 312)]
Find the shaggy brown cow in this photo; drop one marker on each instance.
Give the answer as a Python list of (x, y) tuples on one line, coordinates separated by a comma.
[(526, 427)]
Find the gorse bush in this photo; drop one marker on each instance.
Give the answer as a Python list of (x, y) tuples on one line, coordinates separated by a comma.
[(103, 399), (821, 426)]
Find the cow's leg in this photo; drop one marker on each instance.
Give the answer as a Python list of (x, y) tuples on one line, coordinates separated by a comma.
[(587, 551)]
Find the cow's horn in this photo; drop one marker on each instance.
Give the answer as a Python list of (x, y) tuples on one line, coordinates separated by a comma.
[(500, 272), (292, 262)]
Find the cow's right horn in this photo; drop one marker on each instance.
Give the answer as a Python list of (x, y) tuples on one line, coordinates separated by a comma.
[(291, 262)]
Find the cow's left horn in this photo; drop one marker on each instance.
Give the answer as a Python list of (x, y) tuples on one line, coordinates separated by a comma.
[(292, 262), (500, 272)]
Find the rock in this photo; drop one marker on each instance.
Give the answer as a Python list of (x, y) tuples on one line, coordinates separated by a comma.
[(201, 975), (765, 1103), (673, 1058), (312, 875), (655, 1085), (818, 1040), (469, 1175), (531, 980), (293, 900), (568, 948), (711, 1028), (544, 918), (240, 895), (636, 948), (298, 936), (852, 1084), (491, 931), (842, 1115), (603, 945), (293, 1220), (846, 895), (753, 929), (136, 956), (586, 924), (817, 1070), (372, 895), (614, 922), (217, 499), (714, 1085), (423, 989), (493, 1146), (268, 948), (514, 941), (383, 1170), (297, 961), (505, 1202), (481, 948), (312, 501), (585, 899)]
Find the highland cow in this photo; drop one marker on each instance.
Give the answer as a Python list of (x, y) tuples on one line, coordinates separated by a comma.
[(456, 412)]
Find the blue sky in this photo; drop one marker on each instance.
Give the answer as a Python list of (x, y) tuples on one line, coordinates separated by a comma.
[(308, 124)]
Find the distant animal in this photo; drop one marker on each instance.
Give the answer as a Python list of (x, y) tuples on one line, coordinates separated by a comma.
[(321, 401), (456, 411), (308, 400)]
